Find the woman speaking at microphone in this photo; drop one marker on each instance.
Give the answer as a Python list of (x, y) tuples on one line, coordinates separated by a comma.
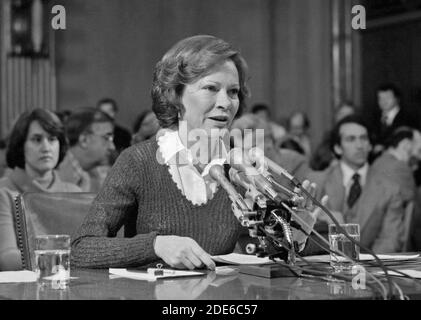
[(160, 189)]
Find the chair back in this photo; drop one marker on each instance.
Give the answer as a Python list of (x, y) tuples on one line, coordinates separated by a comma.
[(53, 213), (409, 213)]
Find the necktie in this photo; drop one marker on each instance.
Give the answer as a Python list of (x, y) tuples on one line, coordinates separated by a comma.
[(355, 191), (384, 120)]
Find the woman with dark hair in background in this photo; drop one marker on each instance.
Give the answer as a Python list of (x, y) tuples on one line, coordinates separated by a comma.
[(145, 126), (160, 189), (36, 145)]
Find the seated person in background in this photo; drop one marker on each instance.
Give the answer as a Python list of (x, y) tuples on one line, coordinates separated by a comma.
[(145, 126), (394, 163), (3, 163), (262, 111), (291, 144), (90, 135), (37, 144), (403, 146), (122, 136), (161, 190), (323, 156), (343, 110), (63, 115), (290, 160), (298, 126), (359, 195), (391, 115)]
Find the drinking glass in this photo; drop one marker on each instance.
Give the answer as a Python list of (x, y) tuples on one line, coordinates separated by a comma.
[(52, 260), (341, 244)]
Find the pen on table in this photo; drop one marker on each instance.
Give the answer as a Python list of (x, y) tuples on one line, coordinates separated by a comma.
[(161, 272)]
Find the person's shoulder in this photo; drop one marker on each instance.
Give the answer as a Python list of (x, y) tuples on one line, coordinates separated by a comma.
[(7, 189), (140, 152), (384, 186), (387, 165), (64, 186), (142, 147), (5, 183), (323, 175)]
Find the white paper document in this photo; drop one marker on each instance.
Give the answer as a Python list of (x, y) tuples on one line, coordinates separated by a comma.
[(366, 257), (17, 276), (150, 275), (236, 258), (412, 273)]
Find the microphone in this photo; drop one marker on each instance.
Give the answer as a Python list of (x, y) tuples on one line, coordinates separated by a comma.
[(257, 155), (242, 163), (217, 173), (239, 178)]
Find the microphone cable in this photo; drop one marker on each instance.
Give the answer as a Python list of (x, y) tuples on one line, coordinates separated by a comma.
[(318, 273), (327, 248), (338, 252), (298, 184)]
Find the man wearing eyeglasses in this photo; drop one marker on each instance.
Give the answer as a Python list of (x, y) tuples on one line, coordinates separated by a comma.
[(90, 135)]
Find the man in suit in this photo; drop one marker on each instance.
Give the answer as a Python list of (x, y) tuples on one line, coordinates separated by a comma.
[(391, 115), (395, 162), (358, 195), (90, 135)]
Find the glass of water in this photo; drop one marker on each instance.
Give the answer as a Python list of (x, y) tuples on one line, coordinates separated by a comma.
[(52, 260), (341, 244)]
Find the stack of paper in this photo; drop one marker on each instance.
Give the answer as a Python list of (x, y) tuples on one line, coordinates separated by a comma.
[(150, 275), (240, 259), (412, 273), (17, 276)]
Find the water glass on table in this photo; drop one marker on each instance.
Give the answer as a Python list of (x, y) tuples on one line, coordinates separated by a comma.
[(349, 251), (52, 260)]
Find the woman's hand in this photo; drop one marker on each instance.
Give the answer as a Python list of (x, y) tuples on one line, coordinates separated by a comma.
[(307, 213), (182, 253)]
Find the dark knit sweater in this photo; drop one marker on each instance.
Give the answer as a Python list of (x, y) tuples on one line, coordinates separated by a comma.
[(138, 185)]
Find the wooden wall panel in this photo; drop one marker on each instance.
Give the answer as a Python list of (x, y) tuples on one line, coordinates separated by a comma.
[(25, 83), (110, 48)]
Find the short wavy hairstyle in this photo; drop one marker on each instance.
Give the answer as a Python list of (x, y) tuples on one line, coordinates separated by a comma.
[(187, 61), (15, 154)]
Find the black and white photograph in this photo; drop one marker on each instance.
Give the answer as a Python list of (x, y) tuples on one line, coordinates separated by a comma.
[(207, 158)]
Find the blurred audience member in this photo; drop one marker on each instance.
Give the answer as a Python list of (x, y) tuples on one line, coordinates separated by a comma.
[(391, 115), (262, 111), (122, 136), (343, 110), (394, 163), (359, 195), (37, 144), (298, 125), (403, 147), (3, 163), (323, 156), (292, 144), (290, 160), (90, 135), (145, 126), (63, 115)]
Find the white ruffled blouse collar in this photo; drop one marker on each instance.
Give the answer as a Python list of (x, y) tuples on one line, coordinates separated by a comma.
[(197, 187)]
